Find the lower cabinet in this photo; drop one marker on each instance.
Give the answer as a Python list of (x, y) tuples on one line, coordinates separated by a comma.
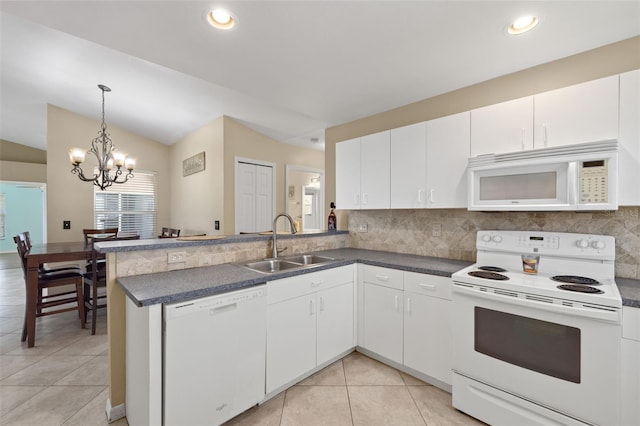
[(630, 403), (304, 331), (406, 319)]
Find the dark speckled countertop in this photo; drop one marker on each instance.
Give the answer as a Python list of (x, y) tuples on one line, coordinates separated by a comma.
[(186, 284)]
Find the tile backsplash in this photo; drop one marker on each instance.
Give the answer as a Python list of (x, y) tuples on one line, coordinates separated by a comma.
[(451, 233)]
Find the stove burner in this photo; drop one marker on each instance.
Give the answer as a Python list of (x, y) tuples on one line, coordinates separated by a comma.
[(580, 288), (573, 279), (492, 268), (488, 275)]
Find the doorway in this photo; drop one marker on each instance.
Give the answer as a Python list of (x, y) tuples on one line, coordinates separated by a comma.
[(22, 208), (305, 190), (254, 191)]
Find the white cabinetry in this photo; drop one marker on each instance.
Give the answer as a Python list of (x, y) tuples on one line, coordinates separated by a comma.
[(382, 312), (310, 320), (629, 157), (584, 112), (348, 174), (409, 166), (630, 403), (406, 319), (503, 127), (427, 325), (362, 172), (447, 156)]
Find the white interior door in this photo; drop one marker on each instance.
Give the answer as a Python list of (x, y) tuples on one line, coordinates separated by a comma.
[(310, 209), (253, 197)]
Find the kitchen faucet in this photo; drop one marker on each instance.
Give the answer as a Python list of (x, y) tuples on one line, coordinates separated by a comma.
[(293, 231)]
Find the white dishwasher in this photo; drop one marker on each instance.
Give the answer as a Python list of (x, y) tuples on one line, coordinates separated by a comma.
[(214, 357)]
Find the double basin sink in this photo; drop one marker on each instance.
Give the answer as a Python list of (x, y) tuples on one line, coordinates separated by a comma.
[(270, 266)]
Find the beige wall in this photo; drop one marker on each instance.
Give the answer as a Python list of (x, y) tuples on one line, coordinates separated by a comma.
[(240, 141), (70, 199), (22, 172), (604, 61), (10, 151), (197, 199)]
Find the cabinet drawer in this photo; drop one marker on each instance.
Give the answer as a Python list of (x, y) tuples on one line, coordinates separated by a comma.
[(430, 285), (631, 323), (299, 285), (391, 278)]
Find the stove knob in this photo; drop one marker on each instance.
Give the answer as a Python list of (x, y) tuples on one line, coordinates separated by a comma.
[(496, 238), (486, 238), (582, 243), (598, 244)]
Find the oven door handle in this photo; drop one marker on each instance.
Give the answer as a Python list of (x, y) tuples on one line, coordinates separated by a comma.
[(604, 314)]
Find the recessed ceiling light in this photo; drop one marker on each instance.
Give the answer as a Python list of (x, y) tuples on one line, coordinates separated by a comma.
[(221, 18), (522, 25)]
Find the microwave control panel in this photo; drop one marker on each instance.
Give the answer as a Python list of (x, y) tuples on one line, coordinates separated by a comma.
[(594, 185)]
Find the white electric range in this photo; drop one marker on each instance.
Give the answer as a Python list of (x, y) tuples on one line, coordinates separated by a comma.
[(538, 348)]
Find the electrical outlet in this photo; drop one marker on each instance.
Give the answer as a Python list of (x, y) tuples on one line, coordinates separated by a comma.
[(177, 257), (216, 225), (363, 227), (436, 230)]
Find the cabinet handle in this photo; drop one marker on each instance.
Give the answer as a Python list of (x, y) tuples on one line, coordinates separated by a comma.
[(316, 283), (365, 198), (382, 277), (420, 195), (311, 308), (321, 303), (431, 196), (545, 136), (397, 304), (408, 304), (522, 133), (428, 286)]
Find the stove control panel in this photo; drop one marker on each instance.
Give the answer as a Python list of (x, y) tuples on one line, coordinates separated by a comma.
[(585, 246)]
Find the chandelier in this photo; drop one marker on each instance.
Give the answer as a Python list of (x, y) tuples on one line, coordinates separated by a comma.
[(107, 155)]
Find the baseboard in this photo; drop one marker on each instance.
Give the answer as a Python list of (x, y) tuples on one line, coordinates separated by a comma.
[(114, 413)]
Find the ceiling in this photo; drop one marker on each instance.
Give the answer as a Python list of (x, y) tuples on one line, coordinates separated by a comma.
[(289, 69)]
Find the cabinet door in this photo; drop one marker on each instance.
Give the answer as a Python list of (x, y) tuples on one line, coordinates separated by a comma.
[(382, 331), (585, 112), (503, 127), (374, 171), (335, 322), (629, 157), (447, 157), (427, 335), (408, 166), (291, 340), (348, 174), (630, 382)]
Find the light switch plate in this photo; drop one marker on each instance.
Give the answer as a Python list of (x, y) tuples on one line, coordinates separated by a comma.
[(177, 257), (363, 227)]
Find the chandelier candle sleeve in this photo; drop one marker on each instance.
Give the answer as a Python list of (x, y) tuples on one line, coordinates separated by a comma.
[(106, 155)]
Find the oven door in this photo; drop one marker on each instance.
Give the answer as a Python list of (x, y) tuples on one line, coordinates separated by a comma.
[(564, 358)]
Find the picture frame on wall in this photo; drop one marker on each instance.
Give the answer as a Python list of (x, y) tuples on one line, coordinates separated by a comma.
[(193, 164)]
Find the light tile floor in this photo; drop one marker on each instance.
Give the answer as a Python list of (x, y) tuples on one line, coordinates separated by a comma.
[(63, 381)]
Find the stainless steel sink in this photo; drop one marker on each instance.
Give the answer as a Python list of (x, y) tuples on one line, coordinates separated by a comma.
[(308, 259), (271, 265)]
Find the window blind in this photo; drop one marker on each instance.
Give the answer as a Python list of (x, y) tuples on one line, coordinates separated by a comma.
[(131, 207)]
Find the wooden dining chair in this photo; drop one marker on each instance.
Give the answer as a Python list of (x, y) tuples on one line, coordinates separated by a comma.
[(50, 303), (170, 233), (95, 279), (45, 268), (106, 232)]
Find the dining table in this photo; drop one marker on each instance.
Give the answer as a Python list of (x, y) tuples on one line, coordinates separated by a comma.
[(47, 253)]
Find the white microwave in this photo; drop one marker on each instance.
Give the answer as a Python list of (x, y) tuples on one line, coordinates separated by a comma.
[(573, 177)]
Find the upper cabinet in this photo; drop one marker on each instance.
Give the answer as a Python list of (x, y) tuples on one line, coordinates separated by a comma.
[(503, 127), (348, 174), (362, 172), (585, 112), (629, 138), (447, 156), (408, 166)]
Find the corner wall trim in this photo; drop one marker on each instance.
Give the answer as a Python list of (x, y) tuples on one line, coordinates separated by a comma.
[(114, 413)]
